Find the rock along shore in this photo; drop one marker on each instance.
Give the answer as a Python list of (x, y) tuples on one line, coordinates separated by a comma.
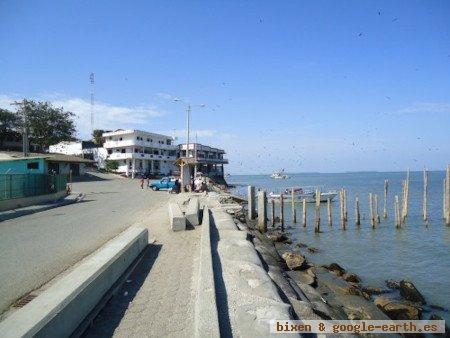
[(326, 291)]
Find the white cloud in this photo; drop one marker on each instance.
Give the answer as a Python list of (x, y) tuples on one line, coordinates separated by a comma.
[(107, 116), (426, 107)]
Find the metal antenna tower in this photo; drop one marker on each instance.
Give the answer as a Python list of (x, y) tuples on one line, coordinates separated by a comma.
[(92, 78)]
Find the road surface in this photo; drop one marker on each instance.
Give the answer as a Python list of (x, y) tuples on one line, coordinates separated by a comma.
[(37, 247)]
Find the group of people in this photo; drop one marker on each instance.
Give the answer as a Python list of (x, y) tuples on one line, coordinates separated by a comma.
[(199, 184)]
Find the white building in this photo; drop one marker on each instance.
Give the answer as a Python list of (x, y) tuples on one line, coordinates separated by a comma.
[(84, 149), (138, 151), (200, 158), (76, 148)]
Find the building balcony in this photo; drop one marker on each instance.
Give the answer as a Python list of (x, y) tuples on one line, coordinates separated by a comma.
[(137, 143), (140, 156), (213, 160)]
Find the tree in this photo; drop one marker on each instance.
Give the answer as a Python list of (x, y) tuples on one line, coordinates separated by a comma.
[(46, 124), (97, 136), (8, 123), (111, 165)]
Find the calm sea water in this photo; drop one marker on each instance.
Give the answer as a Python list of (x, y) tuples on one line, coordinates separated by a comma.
[(419, 252)]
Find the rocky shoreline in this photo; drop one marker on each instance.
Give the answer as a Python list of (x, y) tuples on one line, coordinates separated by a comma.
[(329, 291)]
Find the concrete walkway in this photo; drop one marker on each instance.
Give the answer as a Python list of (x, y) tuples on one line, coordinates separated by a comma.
[(158, 300)]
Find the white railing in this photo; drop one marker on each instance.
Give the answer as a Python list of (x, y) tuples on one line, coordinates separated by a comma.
[(142, 156), (137, 143)]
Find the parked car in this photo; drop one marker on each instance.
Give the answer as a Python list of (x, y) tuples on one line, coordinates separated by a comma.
[(164, 183)]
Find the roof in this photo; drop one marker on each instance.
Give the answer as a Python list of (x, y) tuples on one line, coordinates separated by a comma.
[(200, 147), (133, 131), (17, 155)]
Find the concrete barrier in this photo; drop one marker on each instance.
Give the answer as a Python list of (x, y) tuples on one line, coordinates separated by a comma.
[(206, 316), (15, 203), (176, 218), (59, 310), (251, 293), (193, 211)]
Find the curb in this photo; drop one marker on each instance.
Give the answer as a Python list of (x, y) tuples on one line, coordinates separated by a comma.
[(60, 309), (13, 213), (206, 315)]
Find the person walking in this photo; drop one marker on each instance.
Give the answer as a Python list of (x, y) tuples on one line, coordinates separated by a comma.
[(142, 182)]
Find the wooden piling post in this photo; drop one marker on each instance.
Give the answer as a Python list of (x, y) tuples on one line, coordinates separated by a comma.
[(404, 214), (444, 199), (425, 193), (377, 215), (317, 229), (407, 193), (304, 212), (357, 213), (251, 202), (293, 211), (397, 212), (386, 186), (344, 192), (372, 219), (341, 207), (447, 196), (329, 212), (282, 211), (272, 209), (262, 211)]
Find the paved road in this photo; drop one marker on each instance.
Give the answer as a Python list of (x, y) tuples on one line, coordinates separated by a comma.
[(37, 247)]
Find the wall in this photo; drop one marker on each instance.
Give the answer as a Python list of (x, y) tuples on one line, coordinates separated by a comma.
[(15, 203), (20, 166), (72, 148), (100, 155)]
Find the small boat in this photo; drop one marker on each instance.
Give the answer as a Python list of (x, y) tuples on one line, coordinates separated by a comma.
[(279, 175), (307, 193)]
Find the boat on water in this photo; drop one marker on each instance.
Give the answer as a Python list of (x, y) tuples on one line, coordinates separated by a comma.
[(279, 175), (301, 193)]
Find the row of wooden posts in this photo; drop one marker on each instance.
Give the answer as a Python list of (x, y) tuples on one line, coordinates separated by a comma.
[(401, 211)]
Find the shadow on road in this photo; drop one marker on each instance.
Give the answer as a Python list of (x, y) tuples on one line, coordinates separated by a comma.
[(89, 178), (109, 318), (221, 291)]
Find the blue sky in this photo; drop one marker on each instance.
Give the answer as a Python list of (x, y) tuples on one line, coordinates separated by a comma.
[(324, 86)]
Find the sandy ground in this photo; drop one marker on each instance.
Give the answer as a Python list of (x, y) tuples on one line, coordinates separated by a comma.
[(158, 300), (35, 248)]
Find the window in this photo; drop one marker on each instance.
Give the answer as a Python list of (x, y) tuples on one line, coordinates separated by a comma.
[(169, 142), (120, 139), (33, 165), (148, 140), (123, 151), (109, 151)]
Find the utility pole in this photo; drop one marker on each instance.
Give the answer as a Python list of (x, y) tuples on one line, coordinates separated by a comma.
[(25, 144), (188, 111), (92, 78)]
